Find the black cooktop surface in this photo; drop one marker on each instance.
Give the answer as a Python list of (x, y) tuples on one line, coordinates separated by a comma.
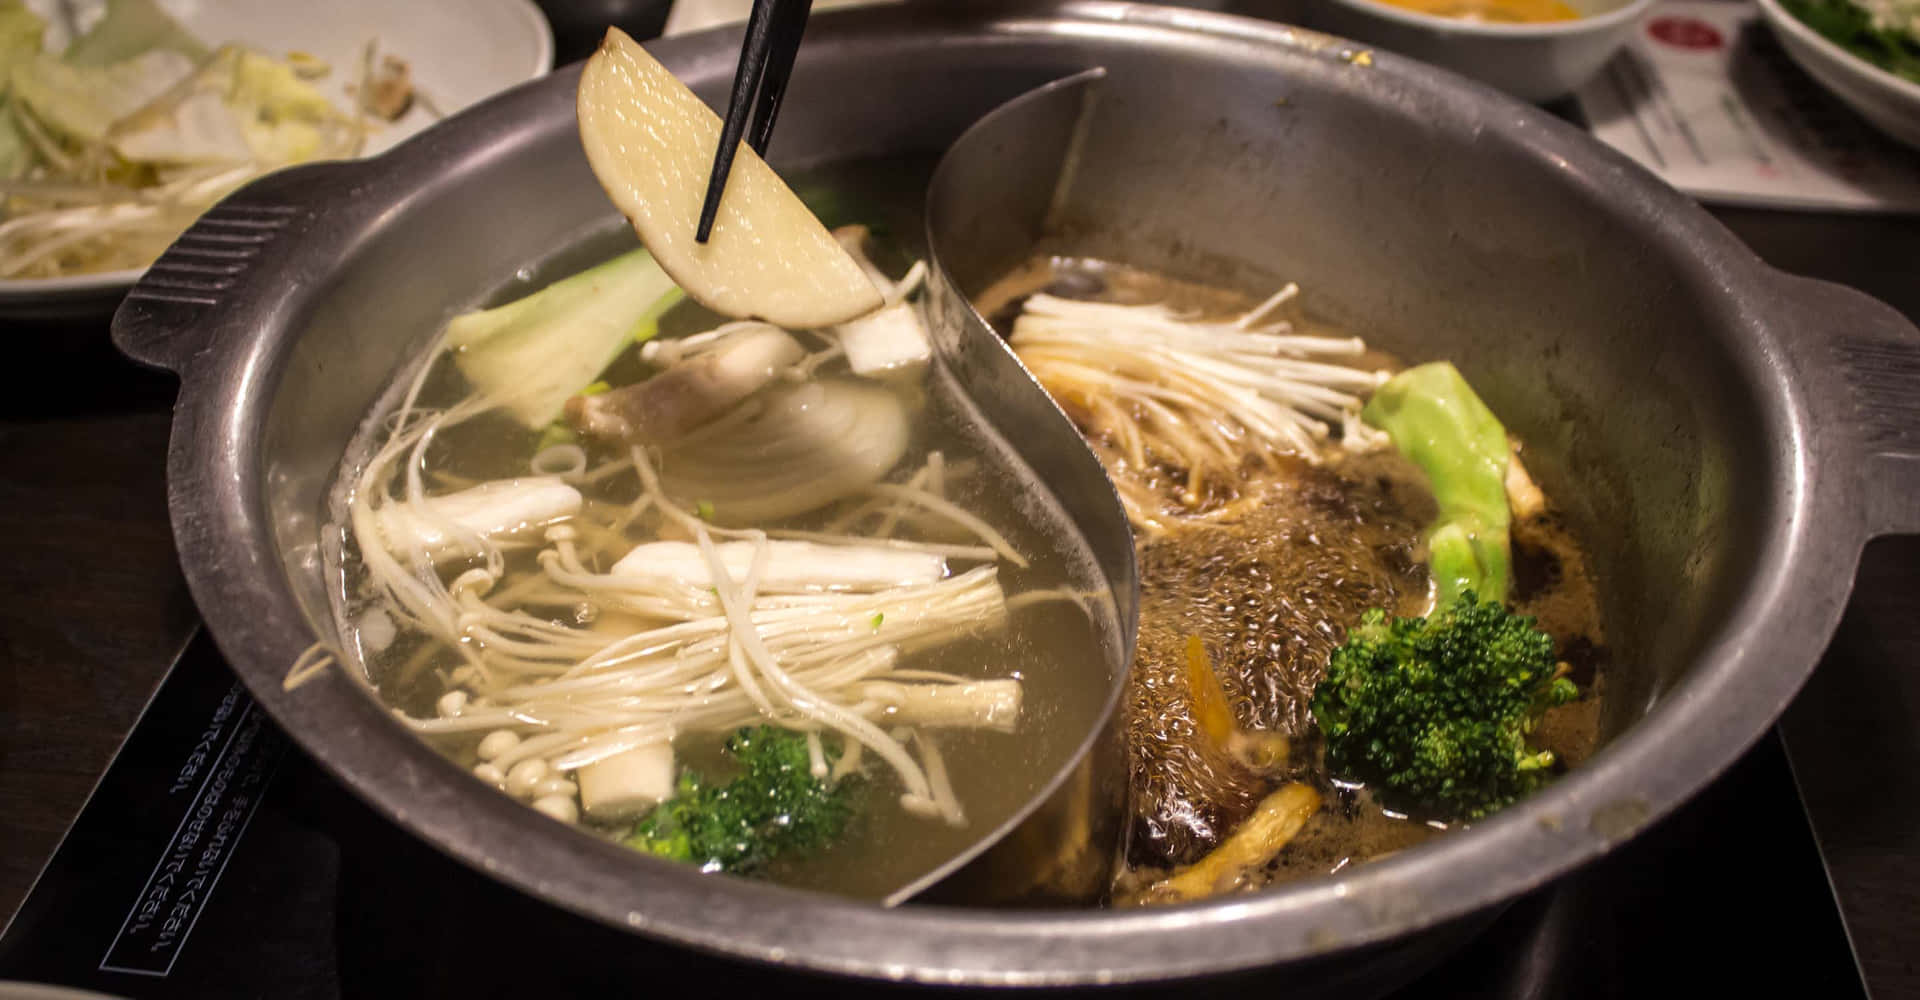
[(214, 860)]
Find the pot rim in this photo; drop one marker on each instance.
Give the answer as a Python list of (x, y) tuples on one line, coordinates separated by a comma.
[(1754, 663)]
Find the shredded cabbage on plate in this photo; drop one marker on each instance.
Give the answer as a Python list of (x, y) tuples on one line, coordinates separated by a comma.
[(1885, 33), (112, 147)]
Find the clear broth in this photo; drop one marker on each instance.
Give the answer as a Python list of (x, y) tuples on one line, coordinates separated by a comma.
[(1046, 645)]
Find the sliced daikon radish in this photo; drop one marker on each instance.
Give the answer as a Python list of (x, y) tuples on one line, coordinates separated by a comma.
[(790, 566), (651, 143), (891, 340), (628, 783)]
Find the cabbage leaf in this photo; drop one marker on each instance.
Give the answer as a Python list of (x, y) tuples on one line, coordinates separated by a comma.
[(534, 353), (132, 28), (239, 106), (16, 155), (20, 34), (82, 103)]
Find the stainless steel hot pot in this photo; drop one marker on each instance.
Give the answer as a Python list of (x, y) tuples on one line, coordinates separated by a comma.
[(1726, 435)]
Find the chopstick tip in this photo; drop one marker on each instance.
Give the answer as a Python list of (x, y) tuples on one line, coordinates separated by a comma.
[(709, 209)]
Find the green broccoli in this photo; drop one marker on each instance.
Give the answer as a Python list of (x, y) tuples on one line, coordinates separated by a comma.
[(1436, 420), (1434, 712), (775, 807)]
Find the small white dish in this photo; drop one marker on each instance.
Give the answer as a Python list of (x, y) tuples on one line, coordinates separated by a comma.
[(1534, 62), (1891, 103), (459, 52)]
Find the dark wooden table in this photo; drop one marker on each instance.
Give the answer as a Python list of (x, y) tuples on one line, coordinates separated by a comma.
[(1854, 733), (96, 609)]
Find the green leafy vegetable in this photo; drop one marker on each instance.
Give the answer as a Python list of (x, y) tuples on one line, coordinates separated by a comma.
[(1434, 712), (20, 33), (131, 28), (83, 103), (284, 118), (16, 155), (1852, 28), (1435, 419), (134, 131), (774, 808), (536, 352)]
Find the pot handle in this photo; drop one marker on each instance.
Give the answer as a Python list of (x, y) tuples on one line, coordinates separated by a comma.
[(1875, 353), (170, 315)]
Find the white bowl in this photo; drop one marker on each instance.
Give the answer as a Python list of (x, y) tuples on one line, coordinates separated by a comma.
[(1534, 62), (1888, 101), (458, 51)]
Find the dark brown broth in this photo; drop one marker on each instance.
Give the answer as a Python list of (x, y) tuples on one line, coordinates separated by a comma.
[(1271, 587), (1269, 593)]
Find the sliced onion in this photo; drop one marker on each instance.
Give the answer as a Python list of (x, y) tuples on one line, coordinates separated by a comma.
[(800, 448)]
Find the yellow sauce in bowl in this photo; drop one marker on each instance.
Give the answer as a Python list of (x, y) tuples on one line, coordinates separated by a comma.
[(1493, 11)]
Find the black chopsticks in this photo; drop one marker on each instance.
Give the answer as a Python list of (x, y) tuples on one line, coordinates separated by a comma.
[(766, 60)]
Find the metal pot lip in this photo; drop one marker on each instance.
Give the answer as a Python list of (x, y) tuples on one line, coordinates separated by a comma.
[(258, 625)]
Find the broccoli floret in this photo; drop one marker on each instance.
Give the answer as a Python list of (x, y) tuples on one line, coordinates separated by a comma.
[(1434, 712), (775, 807)]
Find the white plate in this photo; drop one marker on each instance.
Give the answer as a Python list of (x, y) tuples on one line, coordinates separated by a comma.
[(459, 52), (1890, 102)]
